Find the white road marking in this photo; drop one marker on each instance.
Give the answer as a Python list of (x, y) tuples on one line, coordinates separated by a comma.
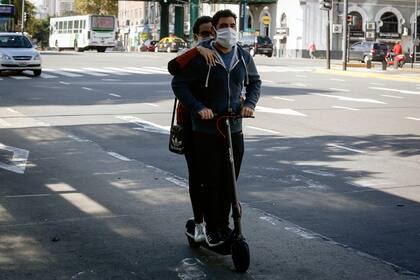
[(64, 83), (337, 80), (20, 77), (178, 181), (3, 123), (392, 96), (141, 70), (301, 232), (86, 88), (339, 89), (126, 70), (1, 79), (343, 98), (377, 84), (118, 156), (346, 148), (151, 104), (279, 111), (269, 220), (84, 71), (319, 173), (301, 76), (63, 73), (155, 70), (396, 90), (262, 129), (115, 95), (412, 118), (267, 81), (114, 72), (145, 125), (78, 139), (19, 159), (48, 76), (283, 98), (346, 108), (12, 110), (299, 85), (111, 80)]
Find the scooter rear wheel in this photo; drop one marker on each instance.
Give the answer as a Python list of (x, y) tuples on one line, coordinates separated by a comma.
[(240, 255)]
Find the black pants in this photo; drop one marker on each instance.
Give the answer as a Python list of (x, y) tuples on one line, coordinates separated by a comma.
[(212, 162), (194, 184)]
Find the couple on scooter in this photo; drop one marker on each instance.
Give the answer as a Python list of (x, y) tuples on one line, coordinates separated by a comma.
[(209, 84)]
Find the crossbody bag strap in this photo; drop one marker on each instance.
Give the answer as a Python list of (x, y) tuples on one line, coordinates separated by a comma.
[(174, 111)]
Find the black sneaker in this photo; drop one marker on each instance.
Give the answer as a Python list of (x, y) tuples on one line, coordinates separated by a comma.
[(213, 238)]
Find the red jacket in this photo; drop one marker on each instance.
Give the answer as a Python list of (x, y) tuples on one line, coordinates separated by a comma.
[(397, 49)]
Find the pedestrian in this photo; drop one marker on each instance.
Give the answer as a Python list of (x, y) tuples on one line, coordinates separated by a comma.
[(205, 89), (312, 50), (397, 49), (203, 30)]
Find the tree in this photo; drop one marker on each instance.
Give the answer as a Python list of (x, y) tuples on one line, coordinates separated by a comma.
[(97, 7), (29, 8)]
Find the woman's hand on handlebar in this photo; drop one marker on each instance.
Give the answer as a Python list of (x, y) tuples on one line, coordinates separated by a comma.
[(247, 112), (206, 114)]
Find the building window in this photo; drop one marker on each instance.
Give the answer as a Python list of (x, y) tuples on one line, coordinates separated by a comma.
[(390, 23), (357, 22)]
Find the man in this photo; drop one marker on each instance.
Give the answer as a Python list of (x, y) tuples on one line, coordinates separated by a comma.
[(206, 90), (312, 50)]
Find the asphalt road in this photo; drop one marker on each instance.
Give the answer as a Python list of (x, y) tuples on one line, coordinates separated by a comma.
[(329, 157)]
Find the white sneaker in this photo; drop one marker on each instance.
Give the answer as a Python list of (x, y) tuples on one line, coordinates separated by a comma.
[(199, 233)]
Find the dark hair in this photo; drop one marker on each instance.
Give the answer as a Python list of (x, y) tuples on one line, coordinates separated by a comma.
[(222, 14), (201, 20)]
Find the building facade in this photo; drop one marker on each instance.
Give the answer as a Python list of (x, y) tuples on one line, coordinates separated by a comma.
[(58, 7)]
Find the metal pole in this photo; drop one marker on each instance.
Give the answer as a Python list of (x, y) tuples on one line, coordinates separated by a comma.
[(345, 31), (415, 35), (328, 40), (23, 16)]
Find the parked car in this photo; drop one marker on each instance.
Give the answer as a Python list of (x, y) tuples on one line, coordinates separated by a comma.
[(257, 45), (365, 51), (171, 44), (18, 54), (148, 46)]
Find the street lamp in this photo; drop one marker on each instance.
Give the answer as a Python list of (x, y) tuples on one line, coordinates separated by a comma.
[(23, 16), (415, 40)]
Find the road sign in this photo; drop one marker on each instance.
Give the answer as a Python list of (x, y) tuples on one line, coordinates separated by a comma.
[(266, 20)]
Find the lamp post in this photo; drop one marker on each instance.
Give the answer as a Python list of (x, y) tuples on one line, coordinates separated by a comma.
[(415, 41), (23, 16), (345, 33)]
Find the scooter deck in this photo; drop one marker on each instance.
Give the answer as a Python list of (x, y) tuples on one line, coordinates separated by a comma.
[(222, 249)]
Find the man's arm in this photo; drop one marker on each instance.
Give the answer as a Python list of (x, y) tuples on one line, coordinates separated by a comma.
[(253, 88), (181, 87)]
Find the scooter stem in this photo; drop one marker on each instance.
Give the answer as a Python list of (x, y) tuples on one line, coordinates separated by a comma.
[(236, 212)]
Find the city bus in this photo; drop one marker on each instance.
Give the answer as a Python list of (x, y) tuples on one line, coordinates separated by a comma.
[(7, 18), (88, 32)]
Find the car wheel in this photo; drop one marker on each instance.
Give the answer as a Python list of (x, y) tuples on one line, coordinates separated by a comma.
[(270, 54), (252, 52), (37, 72)]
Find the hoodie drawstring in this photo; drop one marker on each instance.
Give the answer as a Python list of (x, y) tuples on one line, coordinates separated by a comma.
[(208, 76)]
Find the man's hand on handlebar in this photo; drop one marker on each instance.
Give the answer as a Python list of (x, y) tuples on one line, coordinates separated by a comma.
[(247, 112), (206, 114)]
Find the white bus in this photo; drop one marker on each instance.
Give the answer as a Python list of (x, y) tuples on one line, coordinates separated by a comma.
[(83, 32)]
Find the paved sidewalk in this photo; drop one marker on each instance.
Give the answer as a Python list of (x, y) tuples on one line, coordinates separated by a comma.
[(122, 219)]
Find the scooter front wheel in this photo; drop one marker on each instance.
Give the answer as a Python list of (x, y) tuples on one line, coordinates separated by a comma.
[(240, 255)]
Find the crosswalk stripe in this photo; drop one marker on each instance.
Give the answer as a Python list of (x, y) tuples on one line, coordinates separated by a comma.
[(63, 73), (118, 73), (148, 71), (139, 70), (84, 72), (20, 77), (126, 70), (156, 69)]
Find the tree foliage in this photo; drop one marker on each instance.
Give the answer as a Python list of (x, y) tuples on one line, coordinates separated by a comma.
[(98, 7), (29, 8)]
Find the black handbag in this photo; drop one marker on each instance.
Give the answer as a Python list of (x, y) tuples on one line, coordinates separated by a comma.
[(176, 135)]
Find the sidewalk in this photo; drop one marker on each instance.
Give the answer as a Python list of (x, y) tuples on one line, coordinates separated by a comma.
[(109, 217)]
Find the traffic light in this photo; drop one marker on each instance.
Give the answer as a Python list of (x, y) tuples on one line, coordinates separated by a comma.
[(325, 4), (25, 16)]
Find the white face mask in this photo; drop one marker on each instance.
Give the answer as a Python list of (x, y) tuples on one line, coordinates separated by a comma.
[(201, 40), (226, 37)]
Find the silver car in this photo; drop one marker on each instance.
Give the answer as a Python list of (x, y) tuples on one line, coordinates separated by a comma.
[(18, 54)]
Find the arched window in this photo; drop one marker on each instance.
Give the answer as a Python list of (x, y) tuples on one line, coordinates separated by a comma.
[(357, 22), (283, 22), (249, 21), (390, 23)]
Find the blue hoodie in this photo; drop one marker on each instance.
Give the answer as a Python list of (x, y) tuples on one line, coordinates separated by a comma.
[(218, 88)]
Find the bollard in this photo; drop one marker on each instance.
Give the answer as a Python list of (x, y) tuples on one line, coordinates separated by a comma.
[(369, 64), (384, 65)]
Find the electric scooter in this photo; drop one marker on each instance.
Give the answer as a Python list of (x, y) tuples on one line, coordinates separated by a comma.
[(235, 244)]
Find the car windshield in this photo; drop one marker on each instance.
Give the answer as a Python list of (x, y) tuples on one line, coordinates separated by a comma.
[(13, 41), (264, 40)]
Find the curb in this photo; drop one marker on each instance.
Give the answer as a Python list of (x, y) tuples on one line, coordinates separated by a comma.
[(369, 75)]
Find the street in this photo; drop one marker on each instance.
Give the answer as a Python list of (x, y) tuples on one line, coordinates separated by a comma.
[(88, 188)]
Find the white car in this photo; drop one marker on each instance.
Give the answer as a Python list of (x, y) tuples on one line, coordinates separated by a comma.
[(18, 54)]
